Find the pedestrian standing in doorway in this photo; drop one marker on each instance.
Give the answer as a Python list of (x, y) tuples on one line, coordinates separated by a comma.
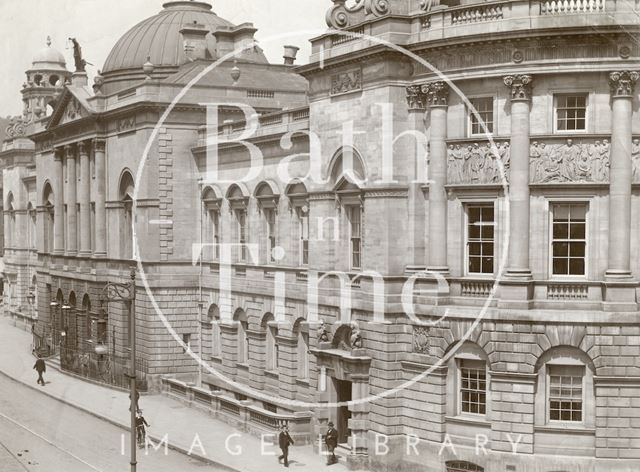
[(331, 440), (40, 368), (284, 441)]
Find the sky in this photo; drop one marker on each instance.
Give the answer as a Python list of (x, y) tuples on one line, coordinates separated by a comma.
[(98, 24)]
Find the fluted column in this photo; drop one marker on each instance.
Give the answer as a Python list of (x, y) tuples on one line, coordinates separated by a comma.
[(72, 202), (58, 206), (101, 215), (437, 94), (518, 255), (622, 87), (85, 200)]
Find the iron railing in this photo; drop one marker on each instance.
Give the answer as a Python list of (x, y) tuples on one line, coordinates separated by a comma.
[(104, 368)]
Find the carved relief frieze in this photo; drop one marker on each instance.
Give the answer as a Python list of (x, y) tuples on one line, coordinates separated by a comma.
[(569, 162), (126, 124), (346, 82), (478, 163)]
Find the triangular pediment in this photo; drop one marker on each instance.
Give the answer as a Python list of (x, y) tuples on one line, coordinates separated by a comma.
[(70, 106)]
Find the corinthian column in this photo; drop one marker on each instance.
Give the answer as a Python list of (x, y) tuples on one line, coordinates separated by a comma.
[(72, 202), (622, 85), (518, 256), (85, 200), (58, 204), (101, 215), (437, 94)]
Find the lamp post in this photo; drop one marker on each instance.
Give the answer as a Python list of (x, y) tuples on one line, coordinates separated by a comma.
[(127, 293)]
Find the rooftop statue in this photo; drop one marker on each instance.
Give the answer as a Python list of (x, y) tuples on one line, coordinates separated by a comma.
[(77, 56)]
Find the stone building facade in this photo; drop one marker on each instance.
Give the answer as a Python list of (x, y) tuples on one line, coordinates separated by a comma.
[(455, 284)]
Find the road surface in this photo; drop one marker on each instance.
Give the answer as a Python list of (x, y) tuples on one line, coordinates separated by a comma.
[(39, 433)]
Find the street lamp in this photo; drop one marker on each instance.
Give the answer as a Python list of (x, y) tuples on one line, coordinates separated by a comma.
[(54, 304), (127, 293)]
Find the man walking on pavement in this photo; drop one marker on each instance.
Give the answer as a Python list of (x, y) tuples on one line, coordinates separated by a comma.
[(40, 367), (284, 441), (331, 440)]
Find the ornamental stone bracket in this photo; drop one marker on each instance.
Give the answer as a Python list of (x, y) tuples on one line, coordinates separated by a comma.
[(342, 16), (520, 86), (622, 83)]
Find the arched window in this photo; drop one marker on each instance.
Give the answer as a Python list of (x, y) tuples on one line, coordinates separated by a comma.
[(468, 381), (267, 194), (565, 391), (301, 331), (126, 191), (347, 164), (238, 202), (48, 218), (10, 222), (211, 201), (213, 316), (71, 322), (299, 201), (240, 317), (31, 211), (272, 351)]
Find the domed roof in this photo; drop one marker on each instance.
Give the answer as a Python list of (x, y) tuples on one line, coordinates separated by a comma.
[(49, 58), (159, 37)]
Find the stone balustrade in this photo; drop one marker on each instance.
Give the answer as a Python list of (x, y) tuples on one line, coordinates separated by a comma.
[(244, 414), (476, 13), (553, 7)]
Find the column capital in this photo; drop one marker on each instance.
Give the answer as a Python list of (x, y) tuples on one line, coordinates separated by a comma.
[(437, 93), (58, 153), (622, 83), (83, 148), (416, 98), (99, 144), (69, 150), (520, 86)]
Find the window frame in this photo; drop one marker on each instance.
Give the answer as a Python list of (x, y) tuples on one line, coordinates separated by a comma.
[(551, 211), (459, 388), (466, 207), (471, 117), (583, 386), (272, 348), (349, 211), (303, 216), (556, 96), (241, 233), (271, 224)]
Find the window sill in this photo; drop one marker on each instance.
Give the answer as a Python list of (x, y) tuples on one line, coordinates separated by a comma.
[(479, 420), (271, 373), (565, 428), (242, 366), (303, 382)]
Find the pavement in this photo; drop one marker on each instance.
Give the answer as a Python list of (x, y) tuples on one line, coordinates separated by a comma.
[(186, 430)]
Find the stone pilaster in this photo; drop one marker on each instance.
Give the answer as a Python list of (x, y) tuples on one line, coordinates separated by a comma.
[(437, 96), (516, 287), (72, 201), (620, 289), (416, 103), (58, 185), (85, 200), (100, 249)]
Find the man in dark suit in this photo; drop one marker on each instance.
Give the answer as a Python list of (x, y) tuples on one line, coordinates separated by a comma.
[(40, 367), (284, 441), (331, 440)]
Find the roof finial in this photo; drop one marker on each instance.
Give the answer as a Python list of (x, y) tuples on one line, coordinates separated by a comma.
[(49, 41)]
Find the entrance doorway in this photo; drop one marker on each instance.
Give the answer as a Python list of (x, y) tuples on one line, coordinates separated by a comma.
[(343, 394)]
